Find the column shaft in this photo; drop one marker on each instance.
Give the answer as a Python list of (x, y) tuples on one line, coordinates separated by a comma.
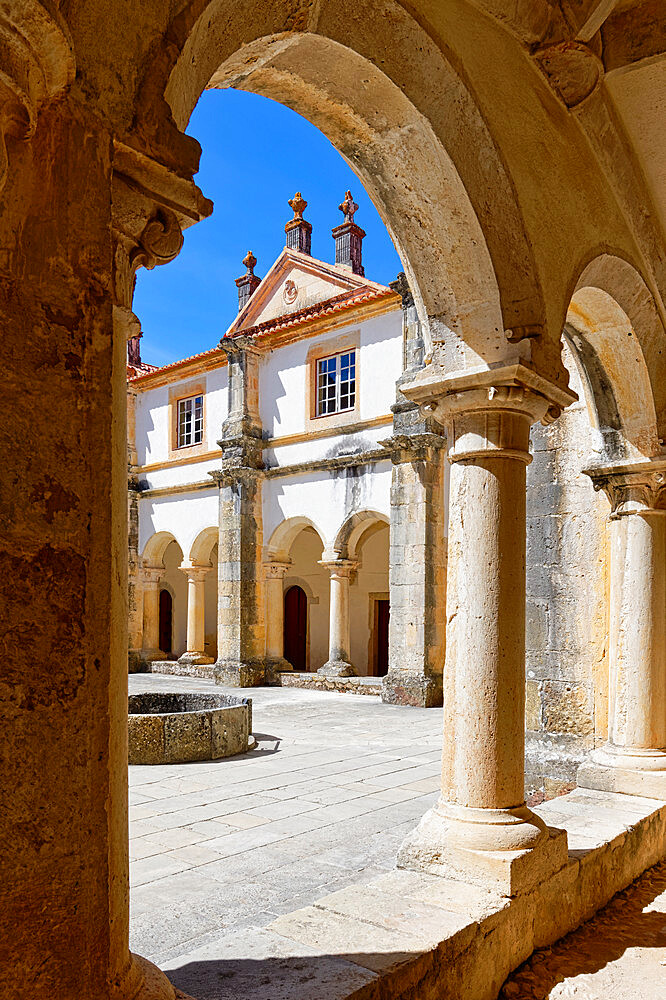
[(274, 583), (151, 613), (481, 826), (195, 652), (339, 655), (633, 761)]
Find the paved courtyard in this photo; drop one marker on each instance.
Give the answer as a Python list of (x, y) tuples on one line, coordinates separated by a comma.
[(220, 849), (324, 801)]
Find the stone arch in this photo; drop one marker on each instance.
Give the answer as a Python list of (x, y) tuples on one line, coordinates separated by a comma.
[(618, 341), (156, 546), (411, 129), (348, 537), (203, 545), (285, 534)]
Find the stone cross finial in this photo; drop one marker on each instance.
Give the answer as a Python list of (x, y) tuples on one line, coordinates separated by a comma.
[(250, 261), (348, 206), (298, 204)]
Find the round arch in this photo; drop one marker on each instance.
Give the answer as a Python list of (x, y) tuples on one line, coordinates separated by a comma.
[(283, 537), (411, 129), (348, 537), (619, 344), (156, 546), (203, 545)]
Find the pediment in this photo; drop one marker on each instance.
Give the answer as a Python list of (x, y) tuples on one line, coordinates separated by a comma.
[(295, 282)]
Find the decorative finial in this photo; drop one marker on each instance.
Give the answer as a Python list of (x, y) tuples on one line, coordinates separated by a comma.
[(348, 206), (250, 261), (298, 204)]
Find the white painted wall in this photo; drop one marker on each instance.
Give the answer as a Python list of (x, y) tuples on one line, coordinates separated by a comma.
[(183, 516), (283, 374), (326, 498), (152, 415)]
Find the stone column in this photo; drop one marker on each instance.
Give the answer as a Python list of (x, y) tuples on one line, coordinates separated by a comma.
[(417, 571), (339, 655), (195, 652), (274, 573), (481, 830), (633, 761), (241, 640), (150, 584)]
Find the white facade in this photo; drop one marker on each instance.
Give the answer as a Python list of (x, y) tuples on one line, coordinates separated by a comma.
[(305, 508)]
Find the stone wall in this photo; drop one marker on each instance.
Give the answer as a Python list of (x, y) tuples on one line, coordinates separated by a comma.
[(566, 638)]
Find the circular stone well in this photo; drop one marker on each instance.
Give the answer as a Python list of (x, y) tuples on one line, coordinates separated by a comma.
[(166, 728)]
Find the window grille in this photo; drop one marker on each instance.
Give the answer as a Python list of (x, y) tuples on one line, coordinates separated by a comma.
[(336, 383), (190, 421)]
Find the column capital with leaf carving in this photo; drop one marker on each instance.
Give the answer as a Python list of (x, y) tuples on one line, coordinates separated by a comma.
[(632, 489), (152, 204)]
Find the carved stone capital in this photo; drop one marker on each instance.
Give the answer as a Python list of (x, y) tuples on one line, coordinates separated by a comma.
[(339, 567), (197, 573), (413, 447), (276, 570), (151, 207), (488, 412), (36, 63), (641, 490), (151, 575)]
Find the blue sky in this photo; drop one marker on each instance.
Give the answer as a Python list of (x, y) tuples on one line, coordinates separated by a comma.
[(256, 155)]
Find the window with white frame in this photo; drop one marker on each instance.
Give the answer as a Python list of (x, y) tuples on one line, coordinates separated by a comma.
[(336, 383), (190, 421)]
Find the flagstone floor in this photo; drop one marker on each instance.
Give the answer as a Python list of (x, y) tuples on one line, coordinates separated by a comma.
[(220, 849), (324, 801)]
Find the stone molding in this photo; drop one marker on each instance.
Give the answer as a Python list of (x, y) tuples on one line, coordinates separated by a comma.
[(36, 63), (632, 491), (151, 205)]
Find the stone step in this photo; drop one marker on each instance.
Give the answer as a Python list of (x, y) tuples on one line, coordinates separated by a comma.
[(344, 685)]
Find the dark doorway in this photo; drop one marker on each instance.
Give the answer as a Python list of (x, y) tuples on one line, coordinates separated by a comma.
[(166, 620), (296, 627), (381, 638)]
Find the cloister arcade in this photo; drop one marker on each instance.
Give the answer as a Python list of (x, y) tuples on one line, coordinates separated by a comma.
[(516, 157)]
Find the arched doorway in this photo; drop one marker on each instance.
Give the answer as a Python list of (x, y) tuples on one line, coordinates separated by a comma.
[(166, 621), (296, 627)]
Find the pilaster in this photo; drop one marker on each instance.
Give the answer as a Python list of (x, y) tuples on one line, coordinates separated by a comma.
[(240, 625), (417, 571)]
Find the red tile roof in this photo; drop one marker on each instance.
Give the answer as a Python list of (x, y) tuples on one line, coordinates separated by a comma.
[(347, 300)]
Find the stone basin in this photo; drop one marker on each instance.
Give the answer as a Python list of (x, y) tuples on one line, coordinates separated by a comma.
[(171, 728)]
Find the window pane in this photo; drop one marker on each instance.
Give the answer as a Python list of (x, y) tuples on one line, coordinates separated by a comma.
[(336, 383), (190, 421)]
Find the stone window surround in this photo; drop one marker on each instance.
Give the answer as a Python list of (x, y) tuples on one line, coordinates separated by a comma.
[(350, 340), (185, 390)]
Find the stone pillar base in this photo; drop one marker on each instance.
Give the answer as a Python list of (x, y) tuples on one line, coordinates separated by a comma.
[(504, 850), (401, 687), (614, 769), (337, 668), (197, 659), (274, 667), (240, 673)]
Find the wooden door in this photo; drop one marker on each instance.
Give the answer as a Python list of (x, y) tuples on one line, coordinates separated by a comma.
[(166, 621), (381, 637), (296, 627)]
